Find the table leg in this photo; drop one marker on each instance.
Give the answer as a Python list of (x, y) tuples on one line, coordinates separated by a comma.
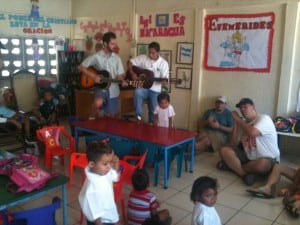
[(76, 138), (166, 166), (4, 216), (65, 208), (192, 156), (278, 140)]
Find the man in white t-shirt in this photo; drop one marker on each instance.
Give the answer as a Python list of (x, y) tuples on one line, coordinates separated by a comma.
[(255, 139), (155, 63)]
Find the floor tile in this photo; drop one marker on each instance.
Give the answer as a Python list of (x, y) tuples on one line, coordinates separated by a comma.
[(185, 221), (232, 200), (268, 209), (181, 200), (225, 213), (234, 205), (246, 219), (177, 213)]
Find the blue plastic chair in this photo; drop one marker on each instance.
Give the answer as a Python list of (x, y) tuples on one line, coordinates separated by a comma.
[(43, 215), (121, 147), (177, 153)]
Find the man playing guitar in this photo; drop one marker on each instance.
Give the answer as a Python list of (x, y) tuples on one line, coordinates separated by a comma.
[(106, 59), (154, 62)]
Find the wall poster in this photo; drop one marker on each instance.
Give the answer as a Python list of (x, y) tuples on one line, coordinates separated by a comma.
[(239, 42)]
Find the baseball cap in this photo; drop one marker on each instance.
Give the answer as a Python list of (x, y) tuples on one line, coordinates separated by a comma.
[(244, 101), (221, 99)]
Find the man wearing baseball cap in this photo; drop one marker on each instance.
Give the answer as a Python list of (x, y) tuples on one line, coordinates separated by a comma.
[(254, 139), (214, 126)]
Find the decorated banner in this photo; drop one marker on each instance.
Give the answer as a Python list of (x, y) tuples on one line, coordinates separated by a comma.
[(162, 25), (239, 42), (33, 23)]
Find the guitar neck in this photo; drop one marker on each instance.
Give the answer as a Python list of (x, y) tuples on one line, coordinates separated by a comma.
[(111, 80), (159, 79)]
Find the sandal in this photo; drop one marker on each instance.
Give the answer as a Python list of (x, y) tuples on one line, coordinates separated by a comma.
[(222, 166), (293, 211), (259, 193)]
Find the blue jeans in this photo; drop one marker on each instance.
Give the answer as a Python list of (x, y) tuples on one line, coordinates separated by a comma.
[(111, 105), (141, 94)]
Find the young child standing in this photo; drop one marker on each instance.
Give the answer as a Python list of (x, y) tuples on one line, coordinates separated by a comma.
[(204, 195), (164, 112), (96, 197), (142, 203)]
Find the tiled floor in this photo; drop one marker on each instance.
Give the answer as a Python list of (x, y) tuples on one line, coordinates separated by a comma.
[(235, 205)]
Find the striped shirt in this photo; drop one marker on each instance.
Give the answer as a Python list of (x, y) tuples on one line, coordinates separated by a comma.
[(140, 205)]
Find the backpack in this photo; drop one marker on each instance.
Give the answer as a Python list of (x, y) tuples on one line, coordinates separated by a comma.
[(9, 162), (23, 171), (296, 126), (282, 124), (28, 178)]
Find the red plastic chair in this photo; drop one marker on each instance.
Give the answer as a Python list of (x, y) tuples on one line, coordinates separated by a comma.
[(129, 168), (126, 171), (50, 136), (77, 160)]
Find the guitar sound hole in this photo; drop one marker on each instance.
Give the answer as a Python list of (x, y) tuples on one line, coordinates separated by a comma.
[(142, 77)]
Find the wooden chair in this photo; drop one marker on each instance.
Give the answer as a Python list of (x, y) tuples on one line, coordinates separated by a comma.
[(25, 89)]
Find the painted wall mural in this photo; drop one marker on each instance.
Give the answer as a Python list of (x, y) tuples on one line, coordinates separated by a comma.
[(91, 31), (121, 28)]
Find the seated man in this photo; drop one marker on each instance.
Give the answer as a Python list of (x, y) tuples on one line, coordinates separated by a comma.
[(254, 148), (214, 127)]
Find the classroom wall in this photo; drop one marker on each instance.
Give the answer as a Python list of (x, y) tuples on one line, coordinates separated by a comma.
[(15, 18), (274, 92)]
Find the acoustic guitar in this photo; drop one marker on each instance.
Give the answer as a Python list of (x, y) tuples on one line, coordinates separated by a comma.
[(145, 79), (88, 82)]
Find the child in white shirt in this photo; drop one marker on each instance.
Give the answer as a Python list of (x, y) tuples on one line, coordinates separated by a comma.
[(164, 112), (204, 195), (96, 197)]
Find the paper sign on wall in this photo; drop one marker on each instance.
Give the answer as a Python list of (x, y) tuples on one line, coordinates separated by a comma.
[(239, 42)]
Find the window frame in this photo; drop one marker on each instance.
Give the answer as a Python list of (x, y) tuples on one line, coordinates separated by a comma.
[(7, 70)]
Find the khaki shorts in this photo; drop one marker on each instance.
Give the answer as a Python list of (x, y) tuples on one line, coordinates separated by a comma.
[(216, 138), (240, 153)]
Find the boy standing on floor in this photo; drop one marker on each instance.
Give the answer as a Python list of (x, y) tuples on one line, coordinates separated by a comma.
[(142, 203), (96, 197)]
